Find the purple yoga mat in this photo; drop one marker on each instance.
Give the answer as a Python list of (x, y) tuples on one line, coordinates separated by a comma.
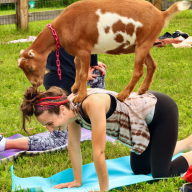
[(11, 154)]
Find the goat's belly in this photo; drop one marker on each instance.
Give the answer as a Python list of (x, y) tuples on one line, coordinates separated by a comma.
[(110, 46), (115, 32)]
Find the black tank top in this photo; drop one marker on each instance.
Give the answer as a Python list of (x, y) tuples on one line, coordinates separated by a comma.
[(109, 113)]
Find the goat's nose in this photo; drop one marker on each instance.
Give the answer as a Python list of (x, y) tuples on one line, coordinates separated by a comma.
[(33, 83)]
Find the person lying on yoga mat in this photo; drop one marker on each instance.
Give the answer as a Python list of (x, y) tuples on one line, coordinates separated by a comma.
[(147, 123), (36, 143)]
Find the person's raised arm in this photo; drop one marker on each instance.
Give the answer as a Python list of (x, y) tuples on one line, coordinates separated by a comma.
[(96, 111), (74, 137)]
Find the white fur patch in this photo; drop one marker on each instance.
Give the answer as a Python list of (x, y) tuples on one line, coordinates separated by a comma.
[(32, 82), (19, 61), (184, 5), (30, 53), (22, 50), (106, 41)]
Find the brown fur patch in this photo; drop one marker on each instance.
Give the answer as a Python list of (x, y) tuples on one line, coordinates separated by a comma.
[(127, 43), (130, 28), (120, 26), (121, 50), (107, 29), (119, 38)]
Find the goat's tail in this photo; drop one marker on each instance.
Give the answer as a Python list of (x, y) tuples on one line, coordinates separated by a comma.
[(175, 8)]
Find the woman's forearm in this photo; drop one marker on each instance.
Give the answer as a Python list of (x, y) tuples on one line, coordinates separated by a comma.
[(21, 143), (102, 172), (76, 160)]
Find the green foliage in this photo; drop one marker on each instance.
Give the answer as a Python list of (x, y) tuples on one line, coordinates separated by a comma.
[(173, 77), (7, 6), (55, 3), (38, 4)]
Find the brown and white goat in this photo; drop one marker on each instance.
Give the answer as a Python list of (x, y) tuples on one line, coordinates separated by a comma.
[(101, 26)]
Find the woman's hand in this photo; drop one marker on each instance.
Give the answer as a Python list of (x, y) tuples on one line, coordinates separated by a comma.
[(96, 191), (91, 76), (67, 185), (101, 67)]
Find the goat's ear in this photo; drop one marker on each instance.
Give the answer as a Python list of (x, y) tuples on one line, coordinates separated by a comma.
[(22, 50), (30, 53)]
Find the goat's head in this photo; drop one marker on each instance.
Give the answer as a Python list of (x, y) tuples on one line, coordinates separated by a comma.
[(33, 65)]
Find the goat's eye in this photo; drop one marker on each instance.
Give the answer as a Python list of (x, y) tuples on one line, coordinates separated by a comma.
[(29, 69)]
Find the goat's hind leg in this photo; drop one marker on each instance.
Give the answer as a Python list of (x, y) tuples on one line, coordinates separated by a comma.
[(151, 66), (141, 52), (76, 85)]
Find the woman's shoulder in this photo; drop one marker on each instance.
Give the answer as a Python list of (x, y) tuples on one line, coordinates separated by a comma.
[(96, 99)]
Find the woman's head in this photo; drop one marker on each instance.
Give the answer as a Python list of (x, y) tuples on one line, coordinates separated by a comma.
[(37, 102)]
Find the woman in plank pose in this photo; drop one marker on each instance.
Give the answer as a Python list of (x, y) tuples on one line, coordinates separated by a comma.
[(147, 123), (96, 79)]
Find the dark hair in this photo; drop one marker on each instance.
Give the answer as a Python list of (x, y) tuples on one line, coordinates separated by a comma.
[(31, 95)]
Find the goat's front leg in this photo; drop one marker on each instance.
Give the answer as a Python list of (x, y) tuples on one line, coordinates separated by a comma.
[(85, 64), (76, 85), (151, 66)]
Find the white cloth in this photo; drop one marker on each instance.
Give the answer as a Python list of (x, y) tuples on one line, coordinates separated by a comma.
[(2, 144), (187, 43), (149, 117)]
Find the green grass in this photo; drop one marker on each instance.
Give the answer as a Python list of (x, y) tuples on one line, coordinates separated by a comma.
[(173, 77)]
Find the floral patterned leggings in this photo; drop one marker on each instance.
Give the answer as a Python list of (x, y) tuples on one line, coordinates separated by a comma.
[(53, 140), (99, 81)]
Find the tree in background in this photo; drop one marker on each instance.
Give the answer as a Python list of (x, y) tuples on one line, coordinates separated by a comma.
[(157, 3)]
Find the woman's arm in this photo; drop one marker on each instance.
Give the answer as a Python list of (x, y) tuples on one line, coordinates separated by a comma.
[(96, 110), (75, 150), (74, 137)]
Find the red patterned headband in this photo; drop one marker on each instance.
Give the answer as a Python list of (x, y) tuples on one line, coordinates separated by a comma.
[(50, 102)]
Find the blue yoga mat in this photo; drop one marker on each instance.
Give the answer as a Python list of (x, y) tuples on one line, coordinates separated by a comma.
[(120, 174)]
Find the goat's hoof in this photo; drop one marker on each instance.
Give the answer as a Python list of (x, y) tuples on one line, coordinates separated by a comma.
[(75, 88), (78, 99), (74, 91), (141, 91), (121, 97)]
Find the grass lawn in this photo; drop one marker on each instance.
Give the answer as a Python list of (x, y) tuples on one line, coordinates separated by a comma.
[(172, 77)]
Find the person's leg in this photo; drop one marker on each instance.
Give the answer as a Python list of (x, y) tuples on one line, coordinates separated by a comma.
[(164, 128), (99, 81), (140, 164), (21, 143), (53, 140), (183, 145), (36, 143), (163, 137)]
